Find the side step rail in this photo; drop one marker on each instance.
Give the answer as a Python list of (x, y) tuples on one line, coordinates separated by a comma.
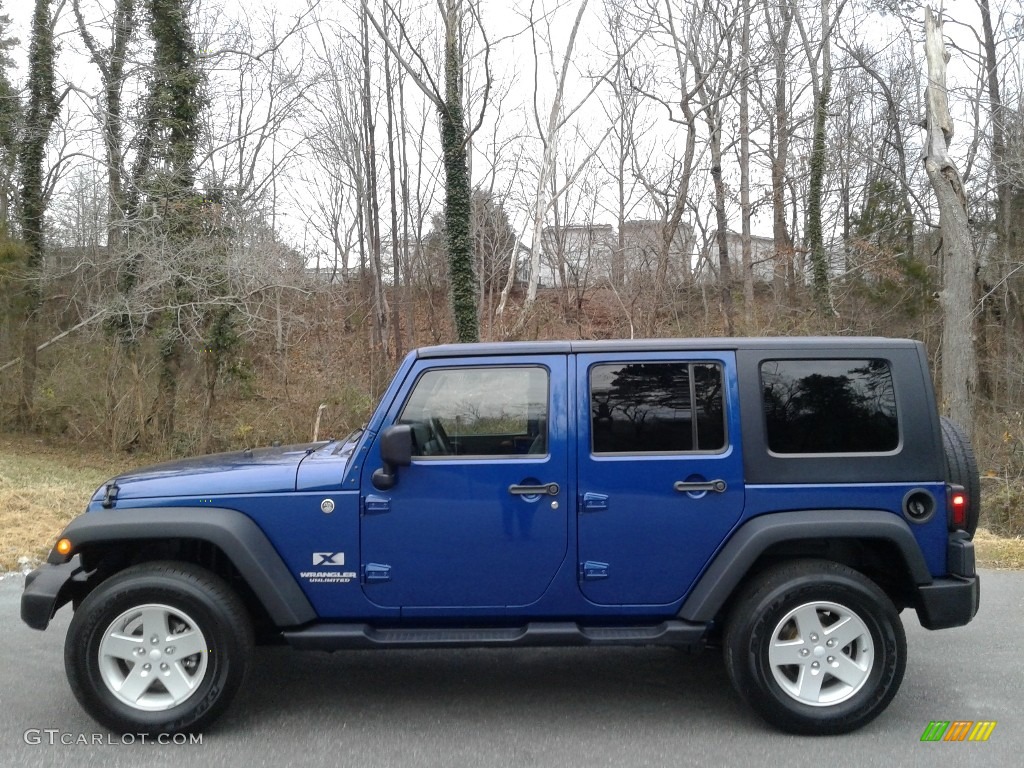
[(333, 637)]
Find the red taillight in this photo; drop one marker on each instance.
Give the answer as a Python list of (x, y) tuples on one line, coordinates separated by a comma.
[(957, 509)]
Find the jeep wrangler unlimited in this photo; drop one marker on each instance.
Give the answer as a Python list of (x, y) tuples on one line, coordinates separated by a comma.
[(781, 498)]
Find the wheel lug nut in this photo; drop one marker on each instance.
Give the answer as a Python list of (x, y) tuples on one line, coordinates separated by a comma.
[(805, 652), (830, 643), (154, 640), (814, 638), (169, 650), (815, 665), (147, 667), (831, 659)]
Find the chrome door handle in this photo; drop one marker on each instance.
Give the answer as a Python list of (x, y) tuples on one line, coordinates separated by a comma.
[(715, 486), (548, 489)]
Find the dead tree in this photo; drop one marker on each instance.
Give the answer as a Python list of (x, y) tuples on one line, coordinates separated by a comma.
[(959, 357)]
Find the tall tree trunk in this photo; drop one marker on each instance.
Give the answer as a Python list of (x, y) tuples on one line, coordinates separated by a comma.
[(815, 197), (110, 63), (1000, 170), (819, 162), (167, 381), (175, 104), (542, 200), (43, 106), (393, 170), (959, 359), (745, 206), (721, 237), (407, 212), (1009, 228), (675, 217), (372, 201), (778, 30), (458, 203)]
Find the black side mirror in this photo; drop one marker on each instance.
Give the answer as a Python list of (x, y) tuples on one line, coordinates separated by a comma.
[(395, 451)]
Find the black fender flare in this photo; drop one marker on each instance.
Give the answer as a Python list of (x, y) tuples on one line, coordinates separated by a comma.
[(241, 540), (754, 537)]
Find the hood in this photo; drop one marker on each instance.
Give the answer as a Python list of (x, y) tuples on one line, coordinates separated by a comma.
[(262, 470)]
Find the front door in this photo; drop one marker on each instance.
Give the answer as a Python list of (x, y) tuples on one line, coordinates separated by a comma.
[(660, 471), (480, 518)]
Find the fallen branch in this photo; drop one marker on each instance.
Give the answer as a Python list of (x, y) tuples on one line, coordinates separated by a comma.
[(56, 338)]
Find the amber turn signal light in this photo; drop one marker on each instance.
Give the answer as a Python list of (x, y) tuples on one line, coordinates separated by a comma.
[(63, 547)]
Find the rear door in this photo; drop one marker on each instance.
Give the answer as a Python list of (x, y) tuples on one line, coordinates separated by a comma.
[(660, 471)]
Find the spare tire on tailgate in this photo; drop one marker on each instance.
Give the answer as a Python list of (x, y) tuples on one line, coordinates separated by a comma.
[(962, 469)]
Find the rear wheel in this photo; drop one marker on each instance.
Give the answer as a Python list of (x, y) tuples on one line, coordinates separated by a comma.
[(815, 647), (160, 647)]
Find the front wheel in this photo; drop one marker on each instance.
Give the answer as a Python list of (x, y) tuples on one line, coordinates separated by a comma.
[(158, 648), (815, 647)]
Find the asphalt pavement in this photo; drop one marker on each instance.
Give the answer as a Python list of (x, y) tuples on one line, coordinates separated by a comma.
[(592, 707)]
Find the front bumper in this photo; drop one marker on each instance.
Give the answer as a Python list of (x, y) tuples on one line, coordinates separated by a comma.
[(48, 588)]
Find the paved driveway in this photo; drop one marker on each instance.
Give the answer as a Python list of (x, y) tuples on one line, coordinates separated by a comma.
[(532, 707)]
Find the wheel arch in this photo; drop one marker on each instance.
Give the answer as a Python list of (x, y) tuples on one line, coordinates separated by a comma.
[(224, 541), (874, 542)]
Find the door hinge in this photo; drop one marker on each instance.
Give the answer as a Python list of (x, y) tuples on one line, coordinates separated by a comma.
[(594, 502), (376, 505), (591, 570), (376, 572)]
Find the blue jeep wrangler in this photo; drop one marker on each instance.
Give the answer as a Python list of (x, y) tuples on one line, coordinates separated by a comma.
[(783, 499)]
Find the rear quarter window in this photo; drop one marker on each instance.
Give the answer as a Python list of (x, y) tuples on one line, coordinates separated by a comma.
[(829, 406)]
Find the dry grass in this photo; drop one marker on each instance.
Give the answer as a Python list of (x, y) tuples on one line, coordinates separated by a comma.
[(999, 552), (43, 486)]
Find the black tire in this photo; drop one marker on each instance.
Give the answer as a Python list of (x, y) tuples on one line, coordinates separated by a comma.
[(820, 591), (962, 469), (198, 608)]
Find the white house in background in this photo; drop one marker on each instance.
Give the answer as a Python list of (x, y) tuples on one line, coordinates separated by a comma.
[(583, 251), (591, 253), (642, 243), (762, 254)]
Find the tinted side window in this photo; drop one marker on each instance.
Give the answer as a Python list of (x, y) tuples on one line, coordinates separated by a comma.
[(829, 406), (494, 411), (656, 408)]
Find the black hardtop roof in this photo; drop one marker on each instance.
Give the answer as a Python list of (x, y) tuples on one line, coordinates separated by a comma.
[(826, 344)]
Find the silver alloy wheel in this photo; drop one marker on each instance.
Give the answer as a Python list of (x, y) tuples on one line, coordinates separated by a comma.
[(821, 653), (153, 657)]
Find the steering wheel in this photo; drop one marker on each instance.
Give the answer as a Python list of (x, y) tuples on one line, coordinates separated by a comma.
[(441, 436)]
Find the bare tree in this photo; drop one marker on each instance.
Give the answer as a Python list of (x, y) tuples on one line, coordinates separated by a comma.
[(371, 216), (43, 107), (549, 141), (110, 61), (821, 84), (672, 29), (10, 117), (712, 63), (779, 23), (459, 18), (746, 209), (894, 91), (959, 365)]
